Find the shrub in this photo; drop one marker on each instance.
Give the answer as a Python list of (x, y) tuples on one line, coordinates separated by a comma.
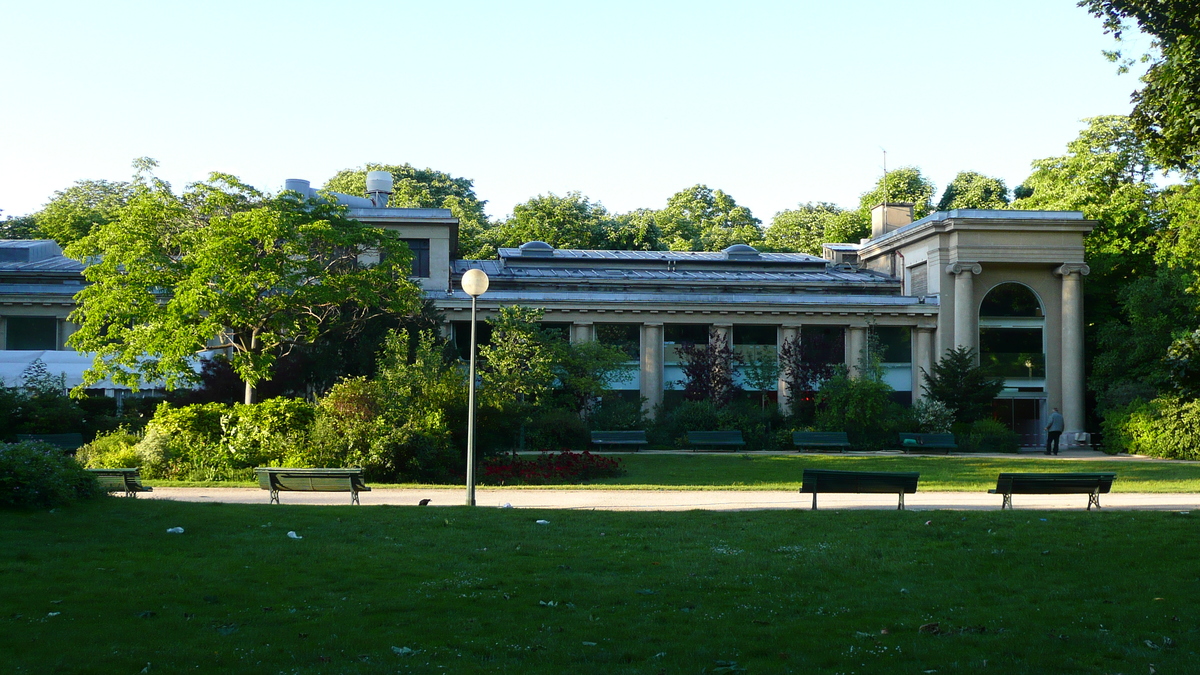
[(556, 428), (263, 434), (1165, 427), (115, 450), (671, 427), (618, 414), (933, 416), (991, 436), (861, 407), (548, 468), (39, 475)]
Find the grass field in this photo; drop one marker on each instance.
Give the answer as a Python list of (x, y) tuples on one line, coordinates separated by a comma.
[(103, 588), (956, 473)]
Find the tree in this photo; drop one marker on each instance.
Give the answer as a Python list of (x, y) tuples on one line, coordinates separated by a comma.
[(1166, 111), (709, 370), (19, 227), (75, 212), (702, 219), (637, 230), (224, 267), (571, 221), (806, 227), (905, 184), (517, 366), (956, 381), (802, 365), (971, 190), (430, 189)]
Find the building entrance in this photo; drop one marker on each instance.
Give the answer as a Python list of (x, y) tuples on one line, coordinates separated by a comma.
[(1024, 416)]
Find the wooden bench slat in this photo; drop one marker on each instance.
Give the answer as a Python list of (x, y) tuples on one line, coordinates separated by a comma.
[(821, 439), (716, 438), (278, 480)]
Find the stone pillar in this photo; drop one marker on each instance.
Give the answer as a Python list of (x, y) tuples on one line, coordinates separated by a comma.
[(652, 367), (1072, 346), (581, 331), (721, 330), (856, 342), (966, 329), (922, 359), (785, 334)]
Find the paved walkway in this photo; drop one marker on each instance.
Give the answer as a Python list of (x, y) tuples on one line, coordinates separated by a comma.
[(682, 500)]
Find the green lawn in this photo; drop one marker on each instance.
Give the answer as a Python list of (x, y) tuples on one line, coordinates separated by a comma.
[(102, 587), (955, 473)]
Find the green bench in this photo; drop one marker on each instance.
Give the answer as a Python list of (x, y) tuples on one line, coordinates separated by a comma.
[(68, 442), (821, 440), (715, 439), (927, 442), (311, 480), (1090, 484), (898, 483), (620, 438), (128, 481)]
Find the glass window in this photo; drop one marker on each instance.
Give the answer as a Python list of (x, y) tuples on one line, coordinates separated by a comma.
[(32, 332), (679, 333), (896, 343), (626, 336), (1010, 300), (755, 335), (420, 256)]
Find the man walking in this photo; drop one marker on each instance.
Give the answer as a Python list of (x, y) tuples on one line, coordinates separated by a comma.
[(1054, 429)]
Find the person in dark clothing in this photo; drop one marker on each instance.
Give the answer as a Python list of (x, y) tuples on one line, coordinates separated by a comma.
[(1054, 429)]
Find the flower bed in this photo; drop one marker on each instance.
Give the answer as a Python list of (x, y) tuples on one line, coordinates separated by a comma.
[(549, 468)]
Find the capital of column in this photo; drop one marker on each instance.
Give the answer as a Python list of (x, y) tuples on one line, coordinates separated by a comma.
[(1067, 269), (961, 267)]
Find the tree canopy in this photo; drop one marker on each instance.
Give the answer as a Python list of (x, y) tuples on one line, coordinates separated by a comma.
[(571, 221), (1166, 110), (806, 227), (906, 184), (971, 190), (223, 267), (956, 381), (702, 219)]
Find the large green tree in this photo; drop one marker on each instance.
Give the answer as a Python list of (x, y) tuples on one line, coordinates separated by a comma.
[(75, 212), (224, 267), (956, 381), (702, 219), (906, 184), (570, 221), (1166, 112), (19, 227), (971, 190), (430, 189), (806, 227)]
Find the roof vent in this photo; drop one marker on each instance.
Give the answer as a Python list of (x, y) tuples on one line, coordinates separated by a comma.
[(536, 249), (379, 187), (741, 252)]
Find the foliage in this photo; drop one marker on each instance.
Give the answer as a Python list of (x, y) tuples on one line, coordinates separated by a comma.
[(637, 230), (862, 407), (584, 372), (615, 413), (933, 416), (702, 219), (571, 221), (709, 370), (1167, 108), (988, 435), (428, 188), (802, 365), (905, 184), (757, 424), (86, 206), (809, 225), (549, 468), (971, 190), (224, 267), (19, 227), (964, 387), (1167, 427), (760, 370), (115, 450), (39, 475)]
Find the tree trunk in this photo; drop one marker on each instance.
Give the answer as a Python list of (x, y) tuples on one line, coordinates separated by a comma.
[(251, 390)]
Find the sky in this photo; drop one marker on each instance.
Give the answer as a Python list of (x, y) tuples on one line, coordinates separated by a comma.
[(627, 102)]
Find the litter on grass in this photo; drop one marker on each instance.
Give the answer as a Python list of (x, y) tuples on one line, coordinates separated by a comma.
[(543, 522), (175, 530), (293, 535)]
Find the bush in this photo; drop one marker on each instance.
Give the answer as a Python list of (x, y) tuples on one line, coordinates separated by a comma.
[(991, 436), (671, 427), (264, 434), (932, 416), (556, 428), (861, 407), (116, 450), (187, 442), (618, 414), (1165, 427), (548, 468), (39, 475)]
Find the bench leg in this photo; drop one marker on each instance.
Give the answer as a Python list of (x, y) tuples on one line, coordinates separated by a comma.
[(814, 501), (1007, 503), (901, 507), (354, 497), (1093, 498), (274, 496)]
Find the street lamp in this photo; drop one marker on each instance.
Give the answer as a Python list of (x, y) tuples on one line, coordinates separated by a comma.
[(475, 284)]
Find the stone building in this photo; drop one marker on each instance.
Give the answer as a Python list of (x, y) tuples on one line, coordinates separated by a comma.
[(1006, 283)]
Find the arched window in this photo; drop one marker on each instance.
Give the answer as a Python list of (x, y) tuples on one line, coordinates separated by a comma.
[(1011, 335), (1010, 300)]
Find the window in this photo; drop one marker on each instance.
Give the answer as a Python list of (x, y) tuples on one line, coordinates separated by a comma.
[(32, 332), (420, 256), (896, 343), (918, 280)]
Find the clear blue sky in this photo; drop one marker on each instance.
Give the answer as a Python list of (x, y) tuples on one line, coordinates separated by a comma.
[(627, 102)]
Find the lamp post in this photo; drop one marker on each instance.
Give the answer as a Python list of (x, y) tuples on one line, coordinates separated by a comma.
[(475, 284)]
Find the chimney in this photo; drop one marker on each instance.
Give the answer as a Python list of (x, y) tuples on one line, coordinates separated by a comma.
[(890, 216)]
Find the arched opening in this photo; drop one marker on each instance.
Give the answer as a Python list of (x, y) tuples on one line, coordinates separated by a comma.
[(1012, 345)]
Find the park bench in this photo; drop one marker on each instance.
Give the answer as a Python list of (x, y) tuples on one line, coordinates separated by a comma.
[(820, 440), (1090, 484), (716, 439), (927, 442), (311, 480), (68, 442), (619, 438), (873, 482), (128, 481)]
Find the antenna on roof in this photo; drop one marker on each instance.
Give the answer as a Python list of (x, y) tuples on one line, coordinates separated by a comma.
[(885, 188)]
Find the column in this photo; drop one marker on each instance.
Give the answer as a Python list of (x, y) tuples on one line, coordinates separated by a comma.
[(652, 367), (856, 342), (721, 330), (581, 331), (786, 334), (922, 359), (1072, 347), (965, 328)]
